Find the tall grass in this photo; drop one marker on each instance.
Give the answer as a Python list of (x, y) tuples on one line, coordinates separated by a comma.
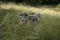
[(48, 29)]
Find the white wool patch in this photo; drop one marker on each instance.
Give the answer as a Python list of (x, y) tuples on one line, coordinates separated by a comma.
[(20, 22)]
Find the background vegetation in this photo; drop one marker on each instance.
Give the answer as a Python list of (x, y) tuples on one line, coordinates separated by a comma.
[(34, 2)]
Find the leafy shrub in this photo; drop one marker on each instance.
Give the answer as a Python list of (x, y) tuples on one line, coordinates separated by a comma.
[(58, 6)]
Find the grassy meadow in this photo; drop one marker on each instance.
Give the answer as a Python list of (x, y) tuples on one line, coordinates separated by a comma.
[(10, 29)]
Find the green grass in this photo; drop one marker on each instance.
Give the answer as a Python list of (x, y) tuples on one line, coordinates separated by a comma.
[(48, 29), (2, 15), (58, 6)]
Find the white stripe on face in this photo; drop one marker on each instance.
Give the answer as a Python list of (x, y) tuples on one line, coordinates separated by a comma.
[(20, 18)]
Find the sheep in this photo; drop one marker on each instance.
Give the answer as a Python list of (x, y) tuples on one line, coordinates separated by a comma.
[(22, 17), (25, 18), (34, 17)]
